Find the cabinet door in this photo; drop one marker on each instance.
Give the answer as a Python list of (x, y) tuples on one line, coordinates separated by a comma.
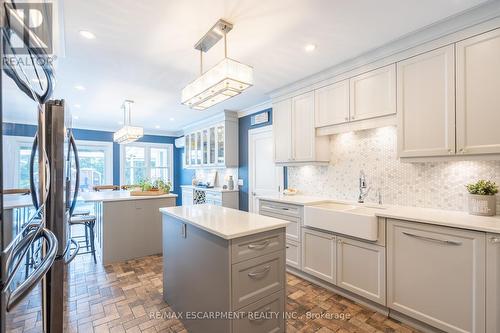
[(192, 151), (221, 149), (437, 275), (319, 254), (212, 146), (187, 197), (282, 130), (373, 94), (293, 254), (204, 146), (198, 148), (187, 150), (478, 94), (361, 268), (426, 104), (493, 284), (332, 104), (303, 131)]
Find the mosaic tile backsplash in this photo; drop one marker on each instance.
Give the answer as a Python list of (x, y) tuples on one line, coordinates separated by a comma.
[(430, 184)]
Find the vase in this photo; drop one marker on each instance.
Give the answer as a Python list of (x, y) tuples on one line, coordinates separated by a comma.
[(482, 205)]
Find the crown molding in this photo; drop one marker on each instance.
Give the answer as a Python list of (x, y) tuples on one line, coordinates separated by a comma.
[(219, 117), (452, 29), (255, 108)]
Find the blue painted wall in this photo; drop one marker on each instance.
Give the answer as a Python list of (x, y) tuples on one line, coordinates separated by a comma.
[(180, 175)]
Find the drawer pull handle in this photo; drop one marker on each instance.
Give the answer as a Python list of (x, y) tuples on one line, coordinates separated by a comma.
[(259, 273), (259, 246), (429, 239), (260, 318), (495, 240)]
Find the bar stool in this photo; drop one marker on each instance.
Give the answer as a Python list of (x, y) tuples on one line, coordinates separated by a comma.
[(88, 221)]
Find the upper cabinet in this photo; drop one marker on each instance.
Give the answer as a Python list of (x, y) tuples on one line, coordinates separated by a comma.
[(373, 94), (448, 100), (426, 104), (332, 104), (295, 139), (478, 94), (213, 145)]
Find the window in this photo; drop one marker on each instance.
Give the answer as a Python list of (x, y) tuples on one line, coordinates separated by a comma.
[(17, 169), (141, 161), (96, 164)]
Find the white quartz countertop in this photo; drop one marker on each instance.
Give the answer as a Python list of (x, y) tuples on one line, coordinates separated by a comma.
[(224, 222), (106, 196), (455, 219), (19, 201), (214, 189)]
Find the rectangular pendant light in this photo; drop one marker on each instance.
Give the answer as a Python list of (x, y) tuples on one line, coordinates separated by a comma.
[(226, 79), (128, 134)]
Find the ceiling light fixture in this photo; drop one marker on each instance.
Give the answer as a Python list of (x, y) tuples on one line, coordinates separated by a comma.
[(225, 80), (128, 133), (172, 119), (87, 34), (80, 87), (310, 47)]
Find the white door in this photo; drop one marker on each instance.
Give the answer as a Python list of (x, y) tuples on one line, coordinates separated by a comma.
[(478, 100), (265, 178)]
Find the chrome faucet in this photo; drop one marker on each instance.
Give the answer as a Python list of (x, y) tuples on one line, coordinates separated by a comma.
[(363, 189)]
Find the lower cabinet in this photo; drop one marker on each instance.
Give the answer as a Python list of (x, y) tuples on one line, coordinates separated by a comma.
[(361, 268), (261, 316), (493, 283), (437, 275), (293, 254), (319, 254), (187, 197)]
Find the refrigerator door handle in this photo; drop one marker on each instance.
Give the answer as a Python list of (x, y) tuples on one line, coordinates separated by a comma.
[(34, 196), (14, 297), (77, 180)]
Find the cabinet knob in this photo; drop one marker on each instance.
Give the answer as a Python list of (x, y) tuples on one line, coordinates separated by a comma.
[(346, 118), (495, 240), (353, 117), (450, 151)]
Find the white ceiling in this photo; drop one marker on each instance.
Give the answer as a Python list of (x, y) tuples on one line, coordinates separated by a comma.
[(144, 50)]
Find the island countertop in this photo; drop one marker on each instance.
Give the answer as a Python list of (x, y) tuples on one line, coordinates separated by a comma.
[(19, 201), (226, 223)]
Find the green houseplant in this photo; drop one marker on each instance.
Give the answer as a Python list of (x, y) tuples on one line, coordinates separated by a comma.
[(157, 185), (482, 197)]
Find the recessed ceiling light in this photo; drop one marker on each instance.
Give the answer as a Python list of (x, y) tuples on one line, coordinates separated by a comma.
[(172, 119), (77, 106), (76, 117), (310, 47), (79, 87), (157, 126), (87, 34)]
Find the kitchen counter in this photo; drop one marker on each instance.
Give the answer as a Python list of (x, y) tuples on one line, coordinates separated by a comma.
[(455, 219), (224, 222), (219, 260), (20, 201), (214, 189)]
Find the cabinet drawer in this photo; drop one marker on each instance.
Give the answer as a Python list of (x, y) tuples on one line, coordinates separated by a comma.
[(280, 208), (264, 316), (256, 278), (293, 254), (253, 246), (213, 195), (292, 229)]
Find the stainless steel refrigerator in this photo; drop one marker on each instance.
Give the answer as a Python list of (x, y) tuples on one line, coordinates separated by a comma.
[(34, 250)]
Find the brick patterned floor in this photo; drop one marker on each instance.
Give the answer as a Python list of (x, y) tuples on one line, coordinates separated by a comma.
[(121, 298)]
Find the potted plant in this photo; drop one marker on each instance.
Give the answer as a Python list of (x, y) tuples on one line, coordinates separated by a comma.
[(158, 185), (482, 198)]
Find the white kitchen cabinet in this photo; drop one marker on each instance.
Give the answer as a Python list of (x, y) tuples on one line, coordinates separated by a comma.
[(361, 268), (214, 145), (426, 104), (293, 254), (437, 275), (319, 254), (282, 131), (493, 283), (332, 104), (294, 133), (373, 94), (187, 196), (478, 97)]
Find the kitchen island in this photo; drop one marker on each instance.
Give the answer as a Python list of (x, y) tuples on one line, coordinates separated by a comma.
[(127, 227), (224, 269)]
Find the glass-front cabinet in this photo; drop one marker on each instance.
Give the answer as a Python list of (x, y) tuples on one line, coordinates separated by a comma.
[(215, 145)]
